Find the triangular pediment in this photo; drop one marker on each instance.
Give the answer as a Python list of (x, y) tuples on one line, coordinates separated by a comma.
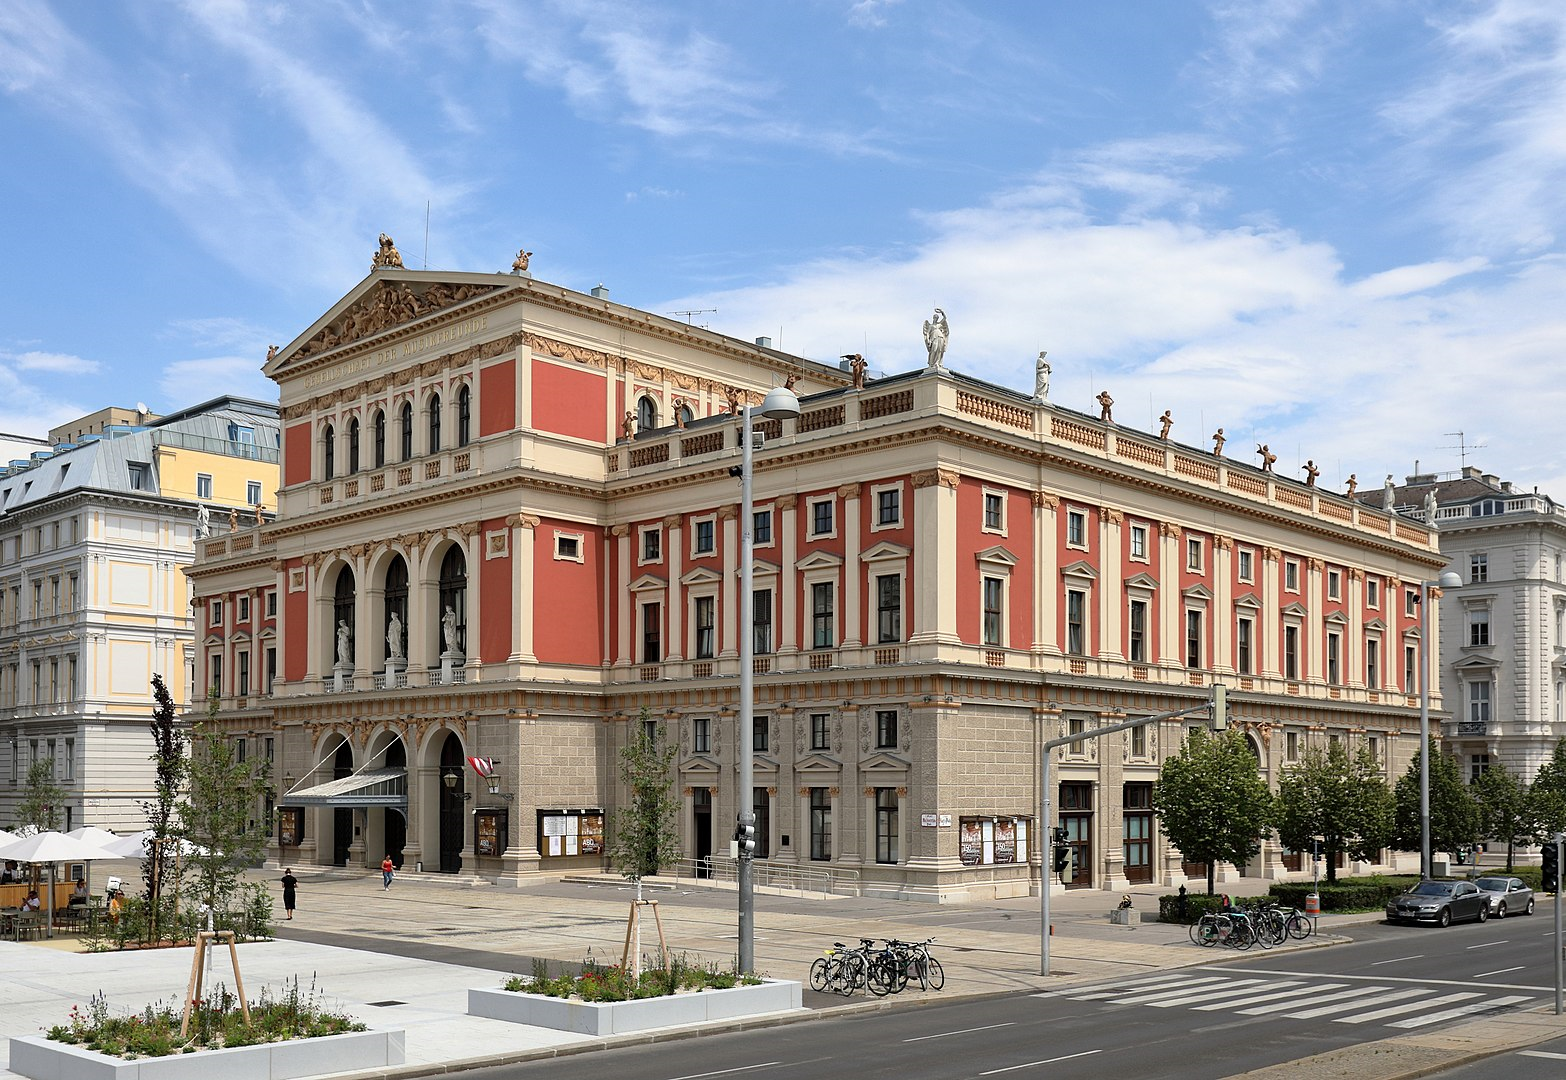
[(817, 763), (1476, 663), (885, 550), (997, 554), (385, 300), (1080, 569), (1296, 609), (1247, 600), (241, 637), (819, 560), (649, 583), (701, 576), (1375, 624), (1142, 581), (1337, 618), (268, 634), (1197, 592), (699, 763), (212, 639), (883, 762)]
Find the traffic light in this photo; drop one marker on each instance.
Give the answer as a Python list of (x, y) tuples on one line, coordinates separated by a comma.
[(1552, 866), (1062, 858), (1220, 707), (745, 833)]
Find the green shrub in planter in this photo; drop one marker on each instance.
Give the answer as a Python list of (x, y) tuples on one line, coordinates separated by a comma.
[(1196, 905)]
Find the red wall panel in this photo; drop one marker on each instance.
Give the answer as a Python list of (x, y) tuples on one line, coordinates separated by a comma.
[(569, 402), (498, 398)]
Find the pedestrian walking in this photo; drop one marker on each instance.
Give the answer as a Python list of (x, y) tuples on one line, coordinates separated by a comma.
[(290, 884), (386, 873)]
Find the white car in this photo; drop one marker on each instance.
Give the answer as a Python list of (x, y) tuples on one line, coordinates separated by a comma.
[(1507, 895)]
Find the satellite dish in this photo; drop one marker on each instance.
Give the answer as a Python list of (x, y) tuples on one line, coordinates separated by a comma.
[(141, 407)]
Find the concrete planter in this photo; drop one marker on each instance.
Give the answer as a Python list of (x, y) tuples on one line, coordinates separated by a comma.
[(644, 1014), (43, 1059)]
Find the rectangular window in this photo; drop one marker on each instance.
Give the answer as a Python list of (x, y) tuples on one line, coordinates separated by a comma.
[(271, 604), (1478, 568), (761, 527), (214, 673), (242, 673), (994, 592), (889, 607), (701, 735), (706, 608), (1334, 658), (203, 485), (1291, 575), (1373, 663), (820, 731), (271, 670), (1193, 639), (820, 824), (1410, 603), (886, 825), (1410, 669), (821, 517), (1291, 746), (1291, 652), (1139, 542), (216, 616), (140, 473), (253, 493), (1076, 622), (1372, 592), (652, 633), (1193, 554), (761, 610), (241, 749), (652, 545), (1247, 565), (244, 609), (1479, 702), (821, 619), (568, 548), (73, 591), (1139, 742), (1076, 725), (761, 808), (1076, 529), (70, 678), (1138, 632), (702, 537), (886, 729), (1479, 627), (1244, 646), (995, 512), (650, 732), (758, 734), (1334, 584), (70, 760), (889, 506)]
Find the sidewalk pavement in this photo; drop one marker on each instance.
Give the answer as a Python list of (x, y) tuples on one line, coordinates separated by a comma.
[(405, 958)]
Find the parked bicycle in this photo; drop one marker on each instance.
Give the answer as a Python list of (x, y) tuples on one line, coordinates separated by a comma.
[(887, 970)]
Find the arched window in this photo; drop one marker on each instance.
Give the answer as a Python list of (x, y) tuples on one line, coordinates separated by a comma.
[(396, 602), (407, 431), (685, 414), (330, 440), (646, 414), (380, 437), (353, 446), (454, 598), (434, 409), (342, 613), (464, 415)]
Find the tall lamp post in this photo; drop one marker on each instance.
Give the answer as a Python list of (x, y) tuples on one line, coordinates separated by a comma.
[(1447, 580), (781, 403)]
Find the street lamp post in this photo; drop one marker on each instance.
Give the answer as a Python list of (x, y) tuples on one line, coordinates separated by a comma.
[(780, 404), (1448, 580)]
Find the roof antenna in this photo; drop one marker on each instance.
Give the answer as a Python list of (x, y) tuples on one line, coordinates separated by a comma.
[(1463, 447), (426, 234)]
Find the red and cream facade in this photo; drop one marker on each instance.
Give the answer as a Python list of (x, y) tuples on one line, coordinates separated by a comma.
[(947, 573)]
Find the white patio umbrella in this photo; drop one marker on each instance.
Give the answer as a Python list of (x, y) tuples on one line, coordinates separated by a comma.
[(6, 838), (93, 835), (50, 848)]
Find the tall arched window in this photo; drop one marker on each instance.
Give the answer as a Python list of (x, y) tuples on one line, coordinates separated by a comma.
[(380, 437), (454, 598), (353, 446), (464, 414), (646, 414), (434, 410), (328, 436), (407, 431), (396, 602), (342, 613)]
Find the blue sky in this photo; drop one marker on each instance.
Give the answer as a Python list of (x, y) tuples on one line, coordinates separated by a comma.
[(1331, 227)]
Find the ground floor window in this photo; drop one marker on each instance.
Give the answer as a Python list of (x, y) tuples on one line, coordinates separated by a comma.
[(821, 824), (886, 825), (1137, 833)]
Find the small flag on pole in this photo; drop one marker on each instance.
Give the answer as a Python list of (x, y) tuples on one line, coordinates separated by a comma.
[(484, 766)]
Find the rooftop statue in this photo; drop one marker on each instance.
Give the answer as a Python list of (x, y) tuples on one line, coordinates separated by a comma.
[(387, 257), (935, 334)]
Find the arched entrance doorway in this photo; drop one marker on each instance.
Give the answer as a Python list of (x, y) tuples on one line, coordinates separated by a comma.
[(453, 819), (394, 821), (342, 816)]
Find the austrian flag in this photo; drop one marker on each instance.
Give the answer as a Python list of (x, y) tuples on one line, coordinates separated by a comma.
[(484, 766)]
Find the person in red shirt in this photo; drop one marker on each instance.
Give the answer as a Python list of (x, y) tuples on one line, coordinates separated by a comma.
[(386, 873)]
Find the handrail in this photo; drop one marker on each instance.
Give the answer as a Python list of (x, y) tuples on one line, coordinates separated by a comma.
[(827, 880)]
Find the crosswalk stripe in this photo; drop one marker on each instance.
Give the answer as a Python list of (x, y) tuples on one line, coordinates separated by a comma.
[(1328, 1010), (1461, 1010), (1191, 993), (1361, 1018), (1159, 984), (1291, 999)]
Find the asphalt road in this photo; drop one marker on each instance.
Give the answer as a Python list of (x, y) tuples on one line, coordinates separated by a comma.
[(1197, 1023)]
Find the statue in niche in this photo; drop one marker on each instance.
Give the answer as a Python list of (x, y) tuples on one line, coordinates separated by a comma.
[(519, 264), (344, 643), (1218, 441), (1389, 495), (387, 257), (856, 367), (1106, 407), (1311, 472), (448, 630), (1268, 458), (1353, 485), (936, 332), (1165, 422), (394, 637), (1041, 377)]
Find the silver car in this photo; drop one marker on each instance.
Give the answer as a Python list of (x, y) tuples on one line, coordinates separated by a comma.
[(1507, 895)]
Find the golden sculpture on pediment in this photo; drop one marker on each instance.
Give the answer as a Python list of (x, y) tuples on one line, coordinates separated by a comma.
[(387, 257), (390, 305)]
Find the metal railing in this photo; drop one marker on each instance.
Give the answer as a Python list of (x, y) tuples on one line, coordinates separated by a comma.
[(824, 879)]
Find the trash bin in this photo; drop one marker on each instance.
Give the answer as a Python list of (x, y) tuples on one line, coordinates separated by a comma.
[(1313, 904), (418, 866)]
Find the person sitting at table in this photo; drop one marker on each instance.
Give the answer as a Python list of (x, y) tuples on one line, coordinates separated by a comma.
[(31, 903), (81, 888)]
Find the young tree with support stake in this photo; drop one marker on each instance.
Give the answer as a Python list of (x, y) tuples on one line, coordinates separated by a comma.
[(218, 816), (1211, 800), (168, 757), (646, 831), (1341, 799)]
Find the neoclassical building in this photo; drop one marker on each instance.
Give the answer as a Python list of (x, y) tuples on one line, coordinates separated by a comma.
[(508, 531)]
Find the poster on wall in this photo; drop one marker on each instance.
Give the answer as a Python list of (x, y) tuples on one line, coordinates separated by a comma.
[(570, 832), (1005, 841), (290, 826), (970, 842), (592, 834), (489, 831)]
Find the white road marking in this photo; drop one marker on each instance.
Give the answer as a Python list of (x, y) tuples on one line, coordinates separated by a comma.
[(1399, 960), (1541, 1053), (1461, 1010), (1498, 971), (1328, 1010), (1188, 993), (1314, 998), (1486, 944), (964, 1031), (1361, 1018), (726, 1072), (1184, 982), (1278, 991), (1046, 1061)]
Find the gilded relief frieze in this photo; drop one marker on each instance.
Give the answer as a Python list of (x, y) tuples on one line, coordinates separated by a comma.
[(393, 304)]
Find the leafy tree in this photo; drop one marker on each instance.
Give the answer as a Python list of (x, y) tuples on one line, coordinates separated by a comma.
[(42, 798), (1344, 800), (168, 756), (218, 815), (1547, 794), (646, 831), (1212, 801), (1454, 812), (1505, 810)]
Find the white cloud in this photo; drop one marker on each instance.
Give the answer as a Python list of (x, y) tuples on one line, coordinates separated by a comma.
[(190, 382), (870, 14), (1402, 280), (57, 363)]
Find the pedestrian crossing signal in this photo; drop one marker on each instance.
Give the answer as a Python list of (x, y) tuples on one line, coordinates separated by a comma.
[(1062, 859), (1552, 866)]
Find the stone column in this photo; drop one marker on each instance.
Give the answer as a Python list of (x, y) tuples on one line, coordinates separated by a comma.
[(1267, 620), (524, 533), (1315, 643), (935, 546), (1222, 615), (1110, 591), (676, 594), (625, 603), (1046, 581), (788, 549), (1169, 602), (729, 590)]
